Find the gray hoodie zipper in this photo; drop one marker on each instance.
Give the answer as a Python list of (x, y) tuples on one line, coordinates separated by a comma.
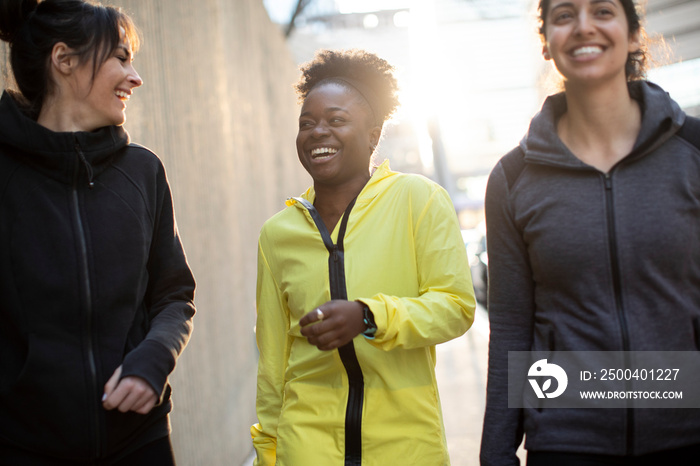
[(619, 305)]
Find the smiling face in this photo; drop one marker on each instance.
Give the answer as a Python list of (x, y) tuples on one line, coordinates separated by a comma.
[(102, 100), (588, 40), (336, 135)]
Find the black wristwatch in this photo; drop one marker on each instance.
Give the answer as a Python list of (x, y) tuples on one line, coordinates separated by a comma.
[(368, 319)]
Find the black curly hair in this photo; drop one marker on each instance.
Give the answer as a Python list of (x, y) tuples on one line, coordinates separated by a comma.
[(370, 75), (637, 61)]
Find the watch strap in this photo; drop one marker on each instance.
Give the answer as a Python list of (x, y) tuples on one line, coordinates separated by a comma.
[(368, 319)]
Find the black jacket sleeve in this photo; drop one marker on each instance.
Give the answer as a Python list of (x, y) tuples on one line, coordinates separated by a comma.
[(169, 298)]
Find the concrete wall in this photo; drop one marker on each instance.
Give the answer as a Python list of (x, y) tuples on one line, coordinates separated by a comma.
[(218, 107)]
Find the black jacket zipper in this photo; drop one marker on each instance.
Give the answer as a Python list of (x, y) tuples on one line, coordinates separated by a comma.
[(87, 295), (356, 384), (619, 304)]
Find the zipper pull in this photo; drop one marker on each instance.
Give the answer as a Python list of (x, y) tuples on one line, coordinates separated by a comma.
[(88, 167), (608, 181)]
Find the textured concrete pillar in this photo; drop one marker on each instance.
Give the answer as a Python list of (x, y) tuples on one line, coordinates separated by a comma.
[(218, 107)]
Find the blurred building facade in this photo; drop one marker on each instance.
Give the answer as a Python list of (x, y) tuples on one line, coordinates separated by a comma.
[(678, 21), (473, 74)]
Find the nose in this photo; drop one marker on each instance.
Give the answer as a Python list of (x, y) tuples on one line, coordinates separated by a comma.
[(320, 131), (584, 25), (134, 77)]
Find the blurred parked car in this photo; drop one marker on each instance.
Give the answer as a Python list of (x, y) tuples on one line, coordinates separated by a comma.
[(475, 242)]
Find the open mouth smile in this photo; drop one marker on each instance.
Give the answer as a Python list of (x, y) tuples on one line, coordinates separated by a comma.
[(321, 153), (588, 50), (122, 95)]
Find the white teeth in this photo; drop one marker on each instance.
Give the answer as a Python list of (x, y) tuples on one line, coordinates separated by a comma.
[(587, 50), (122, 95), (323, 150)]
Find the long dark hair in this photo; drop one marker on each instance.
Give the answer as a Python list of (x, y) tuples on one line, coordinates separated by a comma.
[(33, 27), (637, 61)]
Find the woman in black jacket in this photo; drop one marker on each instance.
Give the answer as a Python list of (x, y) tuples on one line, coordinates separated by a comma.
[(97, 295)]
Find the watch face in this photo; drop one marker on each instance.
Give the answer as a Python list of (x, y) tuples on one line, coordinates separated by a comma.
[(368, 319)]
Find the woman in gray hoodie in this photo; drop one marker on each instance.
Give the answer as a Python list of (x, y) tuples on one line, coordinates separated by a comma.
[(592, 231)]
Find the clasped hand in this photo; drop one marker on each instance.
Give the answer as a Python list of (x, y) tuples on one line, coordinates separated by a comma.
[(341, 322), (128, 394)]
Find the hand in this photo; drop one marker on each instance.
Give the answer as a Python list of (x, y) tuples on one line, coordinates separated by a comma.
[(128, 394), (342, 321)]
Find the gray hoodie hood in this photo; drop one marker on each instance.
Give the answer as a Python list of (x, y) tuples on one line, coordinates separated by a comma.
[(542, 145)]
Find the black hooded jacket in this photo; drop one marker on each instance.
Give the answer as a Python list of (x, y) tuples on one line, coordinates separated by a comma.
[(92, 276)]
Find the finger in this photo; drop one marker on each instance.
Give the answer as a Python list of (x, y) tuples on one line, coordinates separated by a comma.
[(332, 340), (326, 341), (127, 403), (112, 383), (314, 316), (330, 345), (147, 406), (115, 398), (313, 330), (136, 393), (146, 400)]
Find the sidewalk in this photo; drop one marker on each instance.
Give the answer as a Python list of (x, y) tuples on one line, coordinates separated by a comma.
[(461, 373)]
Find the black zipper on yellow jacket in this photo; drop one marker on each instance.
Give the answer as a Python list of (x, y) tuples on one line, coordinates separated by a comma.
[(356, 384)]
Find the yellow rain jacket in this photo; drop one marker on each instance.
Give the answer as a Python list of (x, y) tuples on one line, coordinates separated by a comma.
[(405, 259)]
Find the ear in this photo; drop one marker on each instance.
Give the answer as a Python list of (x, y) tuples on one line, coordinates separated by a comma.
[(635, 42), (374, 135), (545, 52), (63, 58)]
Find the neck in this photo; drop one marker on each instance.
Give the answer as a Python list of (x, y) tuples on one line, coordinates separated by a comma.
[(608, 101), (60, 116), (331, 201), (601, 123)]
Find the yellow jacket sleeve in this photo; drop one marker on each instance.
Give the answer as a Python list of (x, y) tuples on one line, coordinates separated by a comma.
[(273, 344), (444, 308)]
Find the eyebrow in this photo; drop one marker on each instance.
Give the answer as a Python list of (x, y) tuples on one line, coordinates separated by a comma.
[(327, 110), (565, 4), (125, 50), (559, 5)]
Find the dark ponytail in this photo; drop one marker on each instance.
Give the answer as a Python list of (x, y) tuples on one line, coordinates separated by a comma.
[(33, 27), (13, 14)]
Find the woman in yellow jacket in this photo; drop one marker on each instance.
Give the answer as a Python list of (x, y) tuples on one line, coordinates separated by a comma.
[(358, 280)]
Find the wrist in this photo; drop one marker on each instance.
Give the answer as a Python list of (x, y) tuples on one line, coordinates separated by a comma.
[(370, 327)]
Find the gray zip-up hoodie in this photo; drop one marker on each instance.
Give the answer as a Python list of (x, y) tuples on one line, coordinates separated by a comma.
[(580, 260)]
